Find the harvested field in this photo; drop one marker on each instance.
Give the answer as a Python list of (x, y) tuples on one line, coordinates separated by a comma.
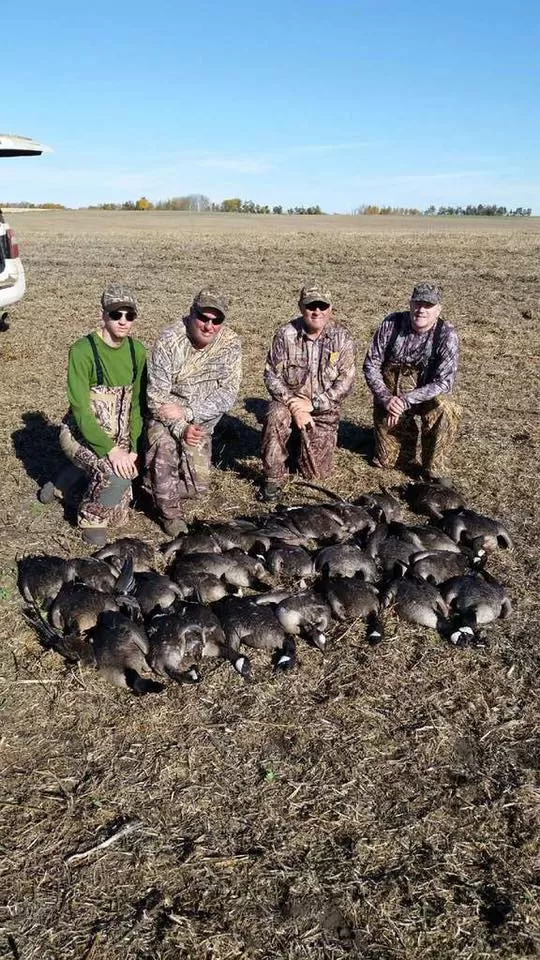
[(379, 803)]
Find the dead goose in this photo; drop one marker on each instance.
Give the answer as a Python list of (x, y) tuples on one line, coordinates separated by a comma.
[(351, 598), (315, 522), (247, 622), (74, 648), (290, 563), (121, 648), (77, 607), (91, 571), (204, 587), (40, 578), (392, 554), (234, 567), (196, 541), (439, 565), (305, 614), (416, 601), (476, 599), (154, 591), (181, 639), (382, 506), (432, 499), (345, 560), (142, 554), (424, 537), (476, 530)]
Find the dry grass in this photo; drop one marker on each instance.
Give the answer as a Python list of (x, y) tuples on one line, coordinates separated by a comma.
[(380, 804)]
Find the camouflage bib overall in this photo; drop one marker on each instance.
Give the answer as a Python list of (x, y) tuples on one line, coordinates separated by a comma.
[(439, 419), (106, 499)]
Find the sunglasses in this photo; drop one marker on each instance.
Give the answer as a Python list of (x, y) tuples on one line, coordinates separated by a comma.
[(130, 315), (216, 321), (317, 305)]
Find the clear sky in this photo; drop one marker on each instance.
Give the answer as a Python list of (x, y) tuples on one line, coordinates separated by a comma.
[(336, 103)]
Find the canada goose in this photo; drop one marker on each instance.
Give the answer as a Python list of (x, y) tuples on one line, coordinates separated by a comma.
[(383, 505), (315, 522), (77, 607), (392, 554), (234, 567), (351, 598), (74, 647), (305, 614), (345, 560), (40, 578), (121, 648), (438, 565), (290, 562), (476, 530), (154, 591), (181, 639), (246, 622), (142, 554), (91, 571), (417, 601), (432, 499), (242, 534), (423, 537), (205, 587), (476, 599), (196, 541)]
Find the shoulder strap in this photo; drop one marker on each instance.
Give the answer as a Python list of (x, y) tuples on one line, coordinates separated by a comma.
[(97, 361), (433, 357), (133, 358), (393, 337)]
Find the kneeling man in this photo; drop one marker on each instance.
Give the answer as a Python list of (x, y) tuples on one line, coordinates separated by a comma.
[(194, 374), (410, 368), (309, 371)]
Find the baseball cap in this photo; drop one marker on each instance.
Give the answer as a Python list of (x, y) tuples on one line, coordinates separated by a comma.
[(210, 300), (116, 296), (427, 293), (313, 291)]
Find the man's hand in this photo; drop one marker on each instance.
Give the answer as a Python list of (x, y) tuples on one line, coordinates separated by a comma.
[(123, 464), (392, 421), (300, 404), (172, 411), (302, 419), (193, 434), (395, 406)]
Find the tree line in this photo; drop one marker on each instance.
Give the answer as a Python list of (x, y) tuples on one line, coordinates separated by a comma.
[(471, 210), (199, 203)]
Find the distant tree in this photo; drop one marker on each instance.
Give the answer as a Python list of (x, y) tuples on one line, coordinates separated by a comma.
[(277, 209), (233, 205), (144, 204)]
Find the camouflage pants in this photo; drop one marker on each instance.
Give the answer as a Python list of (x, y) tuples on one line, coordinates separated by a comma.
[(174, 470), (436, 421), (316, 445), (105, 501)]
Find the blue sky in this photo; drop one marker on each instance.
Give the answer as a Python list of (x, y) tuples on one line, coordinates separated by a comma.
[(295, 103)]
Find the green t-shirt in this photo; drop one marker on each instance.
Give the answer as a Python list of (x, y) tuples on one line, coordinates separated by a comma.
[(117, 372)]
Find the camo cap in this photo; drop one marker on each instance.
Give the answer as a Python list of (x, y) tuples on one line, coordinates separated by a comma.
[(313, 291), (211, 300), (116, 296), (426, 293)]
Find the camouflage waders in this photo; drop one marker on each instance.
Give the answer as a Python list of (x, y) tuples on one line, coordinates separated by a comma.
[(439, 422), (105, 502), (317, 444), (175, 471)]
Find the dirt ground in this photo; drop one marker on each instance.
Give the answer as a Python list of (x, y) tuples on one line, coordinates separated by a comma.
[(379, 803)]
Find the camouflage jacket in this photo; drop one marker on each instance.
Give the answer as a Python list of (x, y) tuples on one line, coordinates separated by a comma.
[(205, 381), (412, 349), (321, 369)]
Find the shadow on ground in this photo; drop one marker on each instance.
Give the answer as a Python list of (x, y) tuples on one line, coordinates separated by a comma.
[(36, 446)]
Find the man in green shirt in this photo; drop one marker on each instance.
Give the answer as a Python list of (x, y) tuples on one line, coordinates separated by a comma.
[(102, 430)]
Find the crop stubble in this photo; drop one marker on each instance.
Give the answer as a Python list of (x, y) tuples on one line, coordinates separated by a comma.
[(379, 804)]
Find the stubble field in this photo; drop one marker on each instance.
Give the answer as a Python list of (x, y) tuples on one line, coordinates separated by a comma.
[(378, 803)]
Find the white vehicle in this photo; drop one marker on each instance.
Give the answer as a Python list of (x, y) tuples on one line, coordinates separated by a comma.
[(12, 279)]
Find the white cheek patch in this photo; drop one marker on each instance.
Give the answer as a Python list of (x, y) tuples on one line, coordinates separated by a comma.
[(375, 633), (239, 664), (284, 659)]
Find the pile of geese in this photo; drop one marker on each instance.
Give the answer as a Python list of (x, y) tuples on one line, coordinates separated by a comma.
[(266, 581)]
